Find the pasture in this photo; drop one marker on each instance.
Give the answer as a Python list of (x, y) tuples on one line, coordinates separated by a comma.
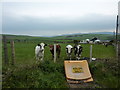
[(28, 74), (24, 52)]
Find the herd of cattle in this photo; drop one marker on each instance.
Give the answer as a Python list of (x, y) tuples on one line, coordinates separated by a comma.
[(39, 51), (95, 40)]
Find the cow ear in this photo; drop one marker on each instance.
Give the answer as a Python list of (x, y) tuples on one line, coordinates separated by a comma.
[(38, 44)]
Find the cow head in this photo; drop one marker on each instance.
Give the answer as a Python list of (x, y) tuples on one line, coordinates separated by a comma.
[(78, 48), (42, 46), (69, 49), (51, 47)]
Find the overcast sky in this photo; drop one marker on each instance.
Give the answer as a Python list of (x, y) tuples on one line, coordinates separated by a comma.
[(56, 17)]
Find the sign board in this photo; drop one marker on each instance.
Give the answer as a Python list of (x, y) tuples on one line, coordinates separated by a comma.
[(77, 70)]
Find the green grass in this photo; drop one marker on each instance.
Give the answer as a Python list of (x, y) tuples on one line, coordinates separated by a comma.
[(27, 74), (43, 75), (105, 73)]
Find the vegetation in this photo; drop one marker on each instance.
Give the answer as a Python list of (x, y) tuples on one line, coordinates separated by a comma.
[(105, 73), (61, 39), (28, 74), (42, 75), (85, 36)]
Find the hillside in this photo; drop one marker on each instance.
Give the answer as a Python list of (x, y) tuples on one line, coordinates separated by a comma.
[(58, 39), (85, 36)]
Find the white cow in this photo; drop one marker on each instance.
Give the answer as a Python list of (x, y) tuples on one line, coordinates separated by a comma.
[(87, 40), (97, 41), (39, 51), (69, 51)]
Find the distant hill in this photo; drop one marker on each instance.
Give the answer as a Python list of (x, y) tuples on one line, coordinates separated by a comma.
[(62, 38), (111, 33), (85, 36)]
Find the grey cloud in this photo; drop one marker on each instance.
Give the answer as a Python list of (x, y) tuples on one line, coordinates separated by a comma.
[(90, 22)]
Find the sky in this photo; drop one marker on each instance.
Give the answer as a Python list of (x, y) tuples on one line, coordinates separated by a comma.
[(57, 17)]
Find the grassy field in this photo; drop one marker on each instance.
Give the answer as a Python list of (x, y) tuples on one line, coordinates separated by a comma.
[(25, 52), (28, 74)]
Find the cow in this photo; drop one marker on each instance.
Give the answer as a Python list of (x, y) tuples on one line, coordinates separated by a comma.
[(58, 50), (108, 43), (69, 51), (78, 51), (94, 38), (39, 51), (97, 41), (87, 40)]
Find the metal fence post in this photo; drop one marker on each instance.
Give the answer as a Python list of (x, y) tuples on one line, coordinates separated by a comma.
[(90, 53)]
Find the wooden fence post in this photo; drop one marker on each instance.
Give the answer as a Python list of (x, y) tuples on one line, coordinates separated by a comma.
[(90, 53), (118, 53), (6, 61), (54, 53), (13, 52)]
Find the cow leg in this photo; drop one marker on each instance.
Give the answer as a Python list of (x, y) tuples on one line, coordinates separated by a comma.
[(67, 55), (76, 57), (52, 52), (58, 54), (79, 55), (70, 57), (37, 58), (41, 58)]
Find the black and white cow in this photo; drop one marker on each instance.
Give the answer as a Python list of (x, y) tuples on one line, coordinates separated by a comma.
[(69, 51), (94, 38), (97, 41), (78, 51), (39, 51), (108, 43)]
